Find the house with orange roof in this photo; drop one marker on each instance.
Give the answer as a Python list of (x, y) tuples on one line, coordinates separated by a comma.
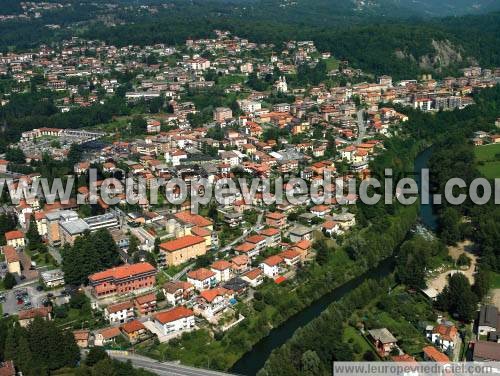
[(123, 279), (258, 240), (222, 270), (431, 354), (145, 304), (186, 217), (3, 166), (107, 336), (210, 302), (275, 219), (12, 259), (25, 317), (178, 292), (180, 250), (202, 279), (290, 257), (174, 320), (248, 249), (272, 235), (443, 336), (133, 330), (254, 277), (15, 238), (271, 266), (320, 210), (82, 338), (239, 264)]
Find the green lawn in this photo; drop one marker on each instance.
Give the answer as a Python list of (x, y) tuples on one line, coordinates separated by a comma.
[(495, 280), (488, 160), (331, 64), (359, 343)]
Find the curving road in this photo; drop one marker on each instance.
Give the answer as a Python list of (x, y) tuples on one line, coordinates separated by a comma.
[(164, 369)]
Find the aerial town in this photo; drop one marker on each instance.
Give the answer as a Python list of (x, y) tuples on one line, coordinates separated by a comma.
[(138, 277)]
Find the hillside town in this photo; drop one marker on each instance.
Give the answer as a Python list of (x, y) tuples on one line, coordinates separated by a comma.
[(214, 109)]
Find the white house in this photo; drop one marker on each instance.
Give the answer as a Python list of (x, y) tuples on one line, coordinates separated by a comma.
[(443, 336), (211, 302), (15, 238), (119, 312), (174, 320), (271, 266), (254, 277), (222, 270), (202, 279)]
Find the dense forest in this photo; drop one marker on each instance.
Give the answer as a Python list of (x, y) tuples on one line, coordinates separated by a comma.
[(383, 41)]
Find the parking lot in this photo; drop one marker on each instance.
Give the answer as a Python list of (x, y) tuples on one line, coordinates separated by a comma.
[(26, 297)]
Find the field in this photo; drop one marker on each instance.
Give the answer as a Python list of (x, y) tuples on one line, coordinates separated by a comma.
[(488, 160)]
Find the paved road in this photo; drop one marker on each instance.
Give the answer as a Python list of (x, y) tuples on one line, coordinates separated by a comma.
[(361, 126), (167, 368)]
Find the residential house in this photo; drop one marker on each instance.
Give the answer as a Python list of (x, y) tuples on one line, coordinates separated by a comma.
[(276, 220), (431, 354), (25, 317), (272, 235), (175, 320), (271, 266), (82, 338), (300, 232), (444, 336), (290, 257), (145, 304), (178, 292), (259, 241), (248, 249), (383, 340), (107, 336), (123, 279), (178, 251), (210, 302), (488, 320), (239, 264), (119, 312), (12, 259), (202, 279), (15, 239), (133, 330), (222, 270), (254, 277)]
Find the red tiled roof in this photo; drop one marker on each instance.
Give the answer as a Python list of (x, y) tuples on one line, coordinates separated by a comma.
[(132, 326), (112, 308), (195, 219), (275, 215), (255, 239), (270, 231), (34, 312), (148, 298), (432, 353), (16, 234), (200, 231), (289, 254), (110, 332), (174, 314), (180, 243), (252, 274), (200, 274), (279, 280), (245, 247), (10, 254), (240, 260), (221, 265), (123, 271), (81, 335), (210, 295), (273, 260)]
